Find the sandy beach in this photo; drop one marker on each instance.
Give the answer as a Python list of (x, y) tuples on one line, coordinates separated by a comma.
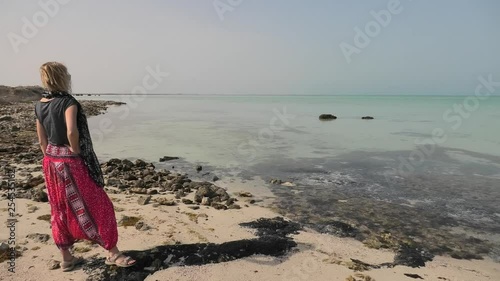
[(169, 212), (312, 259)]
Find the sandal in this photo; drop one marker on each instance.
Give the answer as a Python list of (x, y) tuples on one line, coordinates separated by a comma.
[(70, 265), (123, 263)]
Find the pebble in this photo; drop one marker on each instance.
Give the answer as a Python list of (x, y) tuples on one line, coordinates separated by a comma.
[(32, 209), (234, 207), (205, 201), (142, 226), (245, 194), (144, 200), (165, 201), (39, 237), (53, 264)]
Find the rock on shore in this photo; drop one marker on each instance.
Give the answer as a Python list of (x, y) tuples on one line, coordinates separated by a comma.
[(140, 177), (20, 94)]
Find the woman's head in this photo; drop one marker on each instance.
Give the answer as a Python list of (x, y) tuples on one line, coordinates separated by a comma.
[(55, 77)]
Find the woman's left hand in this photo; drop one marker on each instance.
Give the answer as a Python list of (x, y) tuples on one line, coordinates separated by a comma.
[(74, 151)]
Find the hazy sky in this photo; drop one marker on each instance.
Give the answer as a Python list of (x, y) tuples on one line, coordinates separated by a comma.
[(255, 46)]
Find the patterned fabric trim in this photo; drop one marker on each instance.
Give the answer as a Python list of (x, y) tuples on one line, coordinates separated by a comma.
[(77, 205), (59, 151)]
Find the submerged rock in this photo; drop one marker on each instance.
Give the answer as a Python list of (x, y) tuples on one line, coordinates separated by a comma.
[(336, 228), (276, 181), (274, 226), (367, 118), (463, 255), (168, 158), (383, 240), (327, 117)]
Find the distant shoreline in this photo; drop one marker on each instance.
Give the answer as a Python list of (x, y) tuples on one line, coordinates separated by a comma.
[(281, 95), (30, 91)]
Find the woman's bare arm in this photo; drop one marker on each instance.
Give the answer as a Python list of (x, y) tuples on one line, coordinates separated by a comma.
[(42, 136), (72, 128)]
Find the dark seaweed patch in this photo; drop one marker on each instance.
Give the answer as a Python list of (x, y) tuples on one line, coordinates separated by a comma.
[(275, 226)]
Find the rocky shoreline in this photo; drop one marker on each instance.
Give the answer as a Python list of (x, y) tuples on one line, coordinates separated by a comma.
[(140, 177), (18, 141), (19, 149)]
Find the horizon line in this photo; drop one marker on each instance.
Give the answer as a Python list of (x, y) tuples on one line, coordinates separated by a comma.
[(198, 94)]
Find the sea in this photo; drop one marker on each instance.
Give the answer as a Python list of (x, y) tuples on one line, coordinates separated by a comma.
[(425, 168)]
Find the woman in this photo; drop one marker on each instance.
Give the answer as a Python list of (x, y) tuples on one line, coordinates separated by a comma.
[(80, 208)]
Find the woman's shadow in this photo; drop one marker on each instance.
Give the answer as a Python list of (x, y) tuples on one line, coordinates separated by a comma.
[(273, 240)]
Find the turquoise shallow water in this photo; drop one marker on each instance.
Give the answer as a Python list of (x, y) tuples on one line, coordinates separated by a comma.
[(224, 129)]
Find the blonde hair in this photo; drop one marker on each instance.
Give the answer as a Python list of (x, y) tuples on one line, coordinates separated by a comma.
[(55, 77)]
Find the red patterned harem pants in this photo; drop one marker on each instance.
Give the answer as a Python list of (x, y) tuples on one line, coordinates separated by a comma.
[(80, 209)]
